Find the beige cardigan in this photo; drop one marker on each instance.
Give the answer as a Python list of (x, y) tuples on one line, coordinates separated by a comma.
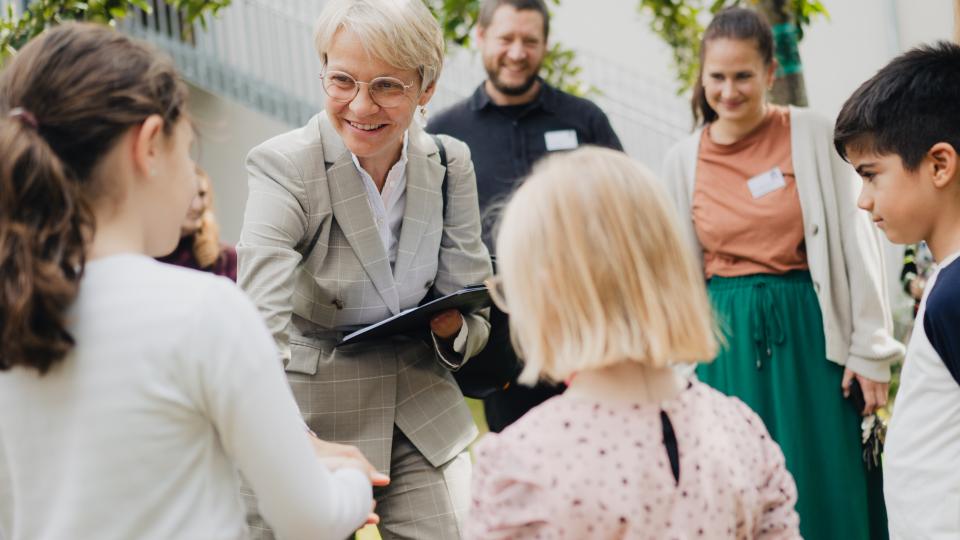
[(843, 247)]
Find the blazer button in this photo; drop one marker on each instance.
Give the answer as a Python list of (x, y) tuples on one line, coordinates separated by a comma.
[(815, 229), (338, 303)]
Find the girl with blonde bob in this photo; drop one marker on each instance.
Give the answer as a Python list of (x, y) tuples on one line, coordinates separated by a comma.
[(602, 293)]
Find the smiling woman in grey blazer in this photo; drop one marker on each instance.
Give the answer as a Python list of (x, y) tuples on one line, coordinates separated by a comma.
[(346, 225)]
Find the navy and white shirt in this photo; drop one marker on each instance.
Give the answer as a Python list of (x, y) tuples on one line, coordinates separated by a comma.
[(922, 458), (942, 317)]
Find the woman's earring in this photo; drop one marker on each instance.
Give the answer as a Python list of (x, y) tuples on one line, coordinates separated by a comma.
[(422, 117)]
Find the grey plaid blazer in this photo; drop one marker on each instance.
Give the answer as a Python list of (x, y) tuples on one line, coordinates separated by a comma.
[(304, 184)]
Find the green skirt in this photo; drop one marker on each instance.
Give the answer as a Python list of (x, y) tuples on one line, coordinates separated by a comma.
[(774, 360)]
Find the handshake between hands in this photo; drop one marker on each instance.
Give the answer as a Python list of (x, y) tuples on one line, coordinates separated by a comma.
[(335, 456), (338, 456)]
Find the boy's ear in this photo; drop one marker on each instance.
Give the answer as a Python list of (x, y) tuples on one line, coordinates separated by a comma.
[(943, 158)]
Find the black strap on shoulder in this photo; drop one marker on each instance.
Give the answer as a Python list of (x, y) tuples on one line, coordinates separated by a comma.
[(443, 161), (305, 254)]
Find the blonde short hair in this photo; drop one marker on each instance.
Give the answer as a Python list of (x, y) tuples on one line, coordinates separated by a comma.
[(402, 33), (596, 272)]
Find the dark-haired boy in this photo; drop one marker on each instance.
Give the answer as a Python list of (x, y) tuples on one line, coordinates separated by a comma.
[(901, 130)]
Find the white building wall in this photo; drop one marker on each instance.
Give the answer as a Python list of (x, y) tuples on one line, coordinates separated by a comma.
[(227, 131), (860, 37)]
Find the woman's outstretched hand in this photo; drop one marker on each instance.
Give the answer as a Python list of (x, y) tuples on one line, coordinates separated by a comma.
[(337, 456)]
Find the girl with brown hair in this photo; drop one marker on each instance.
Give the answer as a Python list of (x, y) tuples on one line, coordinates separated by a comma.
[(131, 391)]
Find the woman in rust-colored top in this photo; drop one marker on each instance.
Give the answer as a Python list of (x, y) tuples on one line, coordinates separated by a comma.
[(794, 273)]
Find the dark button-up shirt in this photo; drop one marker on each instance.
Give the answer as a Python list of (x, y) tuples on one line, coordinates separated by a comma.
[(505, 141)]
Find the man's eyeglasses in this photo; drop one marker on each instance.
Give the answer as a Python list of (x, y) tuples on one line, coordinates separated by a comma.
[(495, 288), (386, 92)]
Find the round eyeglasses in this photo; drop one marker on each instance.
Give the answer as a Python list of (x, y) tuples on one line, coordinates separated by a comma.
[(386, 92)]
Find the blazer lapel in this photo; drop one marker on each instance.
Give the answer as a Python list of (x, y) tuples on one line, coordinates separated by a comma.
[(351, 209), (424, 176)]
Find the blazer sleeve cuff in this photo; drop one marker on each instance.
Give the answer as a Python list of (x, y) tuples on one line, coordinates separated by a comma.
[(452, 356), (875, 370)]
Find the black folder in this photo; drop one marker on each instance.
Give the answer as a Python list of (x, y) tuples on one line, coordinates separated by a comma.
[(417, 319)]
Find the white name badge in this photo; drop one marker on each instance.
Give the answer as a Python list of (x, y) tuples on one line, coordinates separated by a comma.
[(562, 139), (767, 182)]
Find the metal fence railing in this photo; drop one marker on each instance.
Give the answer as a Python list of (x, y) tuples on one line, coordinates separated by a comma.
[(260, 53), (17, 5), (647, 114), (256, 52)]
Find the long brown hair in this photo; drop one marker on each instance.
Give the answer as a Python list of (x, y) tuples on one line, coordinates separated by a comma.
[(65, 99), (731, 23)]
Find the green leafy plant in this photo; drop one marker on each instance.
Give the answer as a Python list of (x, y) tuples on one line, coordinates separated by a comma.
[(457, 19), (41, 14)]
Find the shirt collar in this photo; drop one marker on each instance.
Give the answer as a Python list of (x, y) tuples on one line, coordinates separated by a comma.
[(545, 98), (480, 99)]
